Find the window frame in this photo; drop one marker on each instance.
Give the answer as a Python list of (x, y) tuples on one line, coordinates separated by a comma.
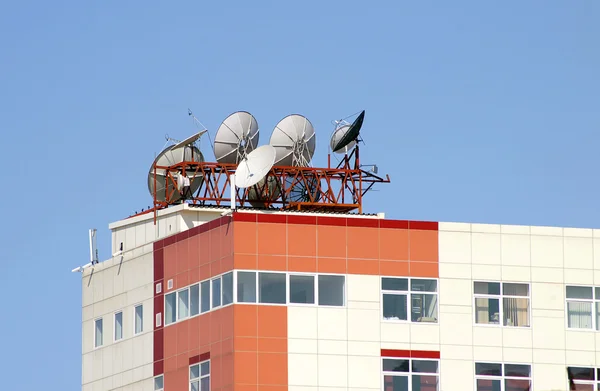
[(96, 331), (408, 293), (503, 377), (595, 383), (135, 307), (163, 379), (200, 376), (500, 298), (409, 374), (187, 288), (595, 313), (315, 277), (115, 339)]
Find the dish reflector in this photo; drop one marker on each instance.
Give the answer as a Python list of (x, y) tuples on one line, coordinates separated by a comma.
[(236, 137), (170, 156), (294, 141), (255, 166), (344, 138)]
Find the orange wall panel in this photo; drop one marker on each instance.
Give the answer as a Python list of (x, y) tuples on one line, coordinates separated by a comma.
[(393, 244), (272, 262), (244, 237), (271, 239), (302, 264), (331, 241), (331, 265), (423, 245), (302, 240), (363, 242)]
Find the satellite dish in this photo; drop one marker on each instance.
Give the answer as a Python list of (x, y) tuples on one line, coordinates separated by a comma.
[(258, 194), (294, 141), (236, 137), (304, 191), (344, 137), (170, 156), (255, 166)]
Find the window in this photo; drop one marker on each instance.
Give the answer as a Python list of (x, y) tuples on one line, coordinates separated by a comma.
[(227, 286), (139, 319), (200, 376), (583, 307), (271, 288), (98, 333), (159, 383), (118, 326), (302, 289), (158, 320), (246, 287), (496, 301), (183, 304), (170, 308), (502, 377), (158, 288), (583, 379), (205, 296), (194, 299), (216, 292), (421, 292), (331, 290), (404, 374)]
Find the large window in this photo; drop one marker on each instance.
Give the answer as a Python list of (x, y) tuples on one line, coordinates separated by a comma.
[(400, 293), (281, 288), (205, 296), (501, 303), (583, 378), (198, 298), (138, 319), (271, 288), (246, 287), (194, 299), (183, 304), (404, 374), (502, 377), (200, 376), (98, 333), (302, 289), (119, 326), (216, 292), (332, 290), (227, 288), (583, 307)]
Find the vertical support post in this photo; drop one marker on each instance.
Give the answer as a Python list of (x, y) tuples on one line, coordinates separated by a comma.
[(359, 180), (154, 192), (232, 188)]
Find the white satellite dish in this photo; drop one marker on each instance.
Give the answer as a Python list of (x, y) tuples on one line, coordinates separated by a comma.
[(170, 156), (255, 166), (236, 137), (294, 141)]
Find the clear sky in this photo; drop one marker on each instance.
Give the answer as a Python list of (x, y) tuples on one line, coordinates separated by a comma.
[(479, 111)]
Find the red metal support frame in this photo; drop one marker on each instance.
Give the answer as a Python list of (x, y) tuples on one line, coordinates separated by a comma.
[(339, 188)]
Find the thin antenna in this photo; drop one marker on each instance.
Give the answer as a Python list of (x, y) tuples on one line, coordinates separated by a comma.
[(93, 247), (197, 123)]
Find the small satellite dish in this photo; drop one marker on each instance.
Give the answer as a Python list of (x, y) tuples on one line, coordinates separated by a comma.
[(344, 137), (266, 189), (236, 137), (170, 156), (304, 191), (294, 141), (255, 166)]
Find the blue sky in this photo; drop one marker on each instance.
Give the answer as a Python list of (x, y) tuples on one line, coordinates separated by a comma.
[(479, 111)]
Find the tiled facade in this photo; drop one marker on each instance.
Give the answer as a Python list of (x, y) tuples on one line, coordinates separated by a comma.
[(310, 347)]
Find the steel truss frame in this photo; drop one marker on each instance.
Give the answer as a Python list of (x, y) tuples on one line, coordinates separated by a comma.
[(339, 188)]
